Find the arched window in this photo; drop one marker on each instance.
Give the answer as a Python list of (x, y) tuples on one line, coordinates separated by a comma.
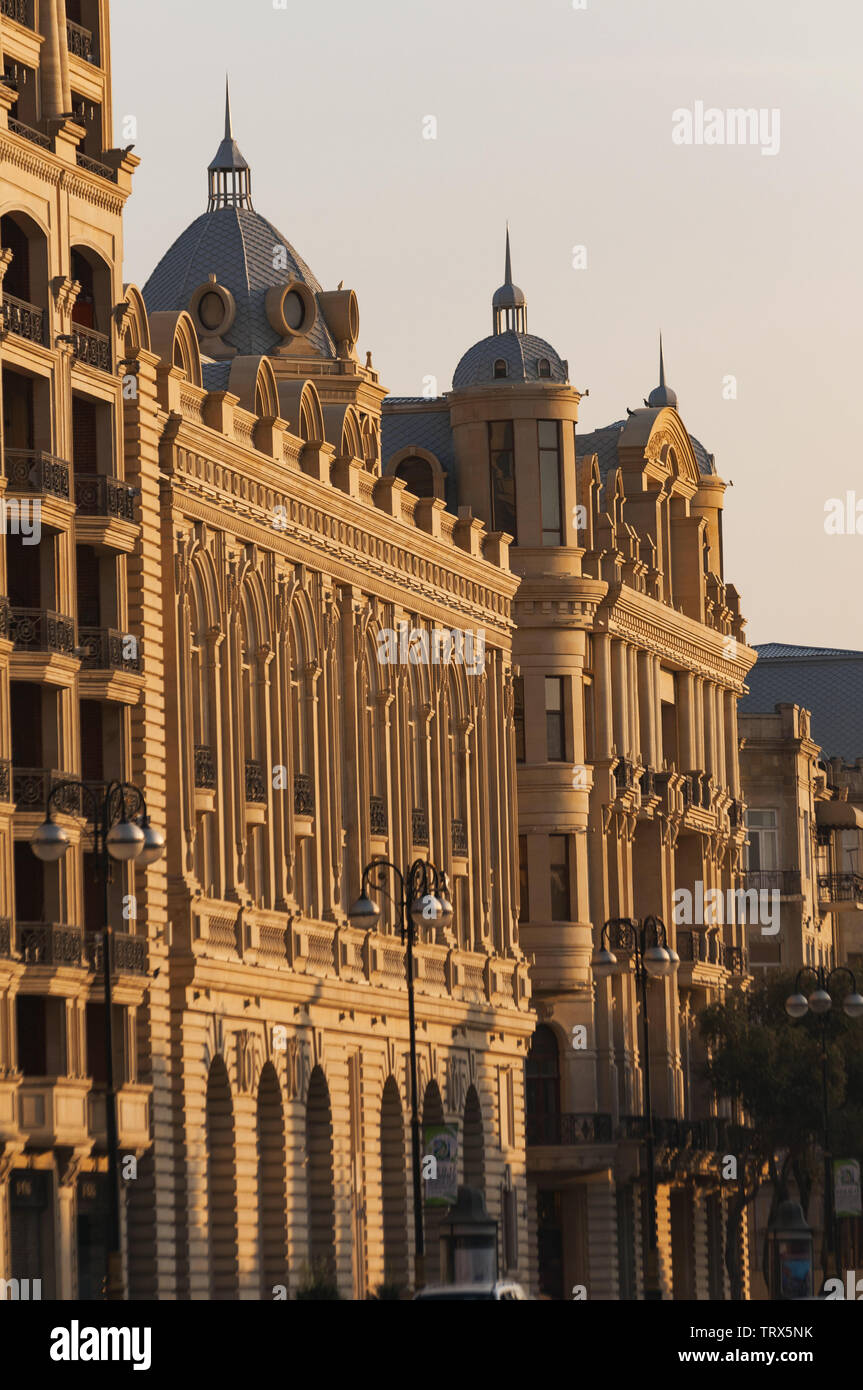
[(500, 368), (543, 1088), (544, 367), (417, 475)]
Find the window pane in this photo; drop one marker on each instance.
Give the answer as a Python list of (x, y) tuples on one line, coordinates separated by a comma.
[(553, 693), (554, 725), (549, 473), (559, 868), (502, 478), (518, 687), (523, 883), (548, 434)]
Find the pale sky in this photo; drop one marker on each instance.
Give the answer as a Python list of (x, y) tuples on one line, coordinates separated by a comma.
[(561, 120)]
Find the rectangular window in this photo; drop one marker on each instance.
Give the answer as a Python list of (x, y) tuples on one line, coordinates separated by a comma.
[(559, 867), (763, 838), (518, 688), (549, 480), (554, 725), (523, 881), (502, 463)]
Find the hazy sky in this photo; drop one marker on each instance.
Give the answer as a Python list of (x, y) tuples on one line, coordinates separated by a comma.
[(561, 120)]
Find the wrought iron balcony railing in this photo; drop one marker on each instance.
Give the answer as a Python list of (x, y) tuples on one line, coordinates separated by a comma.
[(648, 783), (5, 617), (735, 959), (95, 166), (5, 779), (840, 888), (50, 943), (624, 776), (19, 10), (23, 319), (99, 495), (36, 137), (587, 1128), (5, 938), (128, 953), (32, 470), (736, 814), (88, 346), (79, 42), (701, 947), (106, 649), (304, 795), (785, 881), (205, 767), (378, 815), (419, 826), (256, 787), (41, 630), (459, 837), (31, 785)]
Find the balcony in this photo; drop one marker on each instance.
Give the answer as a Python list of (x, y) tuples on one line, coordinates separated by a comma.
[(51, 943), (205, 768), (100, 496), (647, 783), (104, 171), (735, 959), (41, 630), (585, 1128), (5, 938), (304, 796), (88, 346), (79, 41), (19, 10), (841, 892), (5, 779), (699, 947), (256, 786), (624, 776), (133, 1117), (53, 1111), (379, 823), (419, 827), (737, 814), (459, 838), (106, 649), (128, 953), (27, 132), (31, 785), (23, 319), (784, 881), (32, 470)]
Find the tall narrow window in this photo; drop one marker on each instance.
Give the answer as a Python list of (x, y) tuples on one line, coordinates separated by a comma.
[(523, 881), (554, 725), (518, 688), (558, 846), (502, 465), (549, 477)]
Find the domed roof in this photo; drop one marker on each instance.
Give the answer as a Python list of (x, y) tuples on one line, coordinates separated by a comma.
[(522, 353), (242, 249), (661, 395), (246, 254), (509, 296)]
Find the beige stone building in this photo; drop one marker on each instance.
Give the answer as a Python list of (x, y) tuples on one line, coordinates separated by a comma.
[(631, 651), (302, 665)]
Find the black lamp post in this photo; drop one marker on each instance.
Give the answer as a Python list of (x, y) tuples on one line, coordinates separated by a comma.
[(797, 1005), (116, 836), (652, 958), (421, 897)]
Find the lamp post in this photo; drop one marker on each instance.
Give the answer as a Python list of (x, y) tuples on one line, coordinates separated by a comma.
[(421, 896), (653, 958), (797, 1005), (116, 836)]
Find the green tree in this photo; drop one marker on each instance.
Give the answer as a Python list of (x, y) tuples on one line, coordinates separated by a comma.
[(769, 1066)]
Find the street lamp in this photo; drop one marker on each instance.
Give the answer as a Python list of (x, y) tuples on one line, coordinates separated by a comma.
[(421, 899), (653, 959), (820, 1003), (116, 836)]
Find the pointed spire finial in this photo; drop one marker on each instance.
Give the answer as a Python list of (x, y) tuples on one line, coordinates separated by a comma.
[(661, 363), (229, 134), (507, 274), (661, 395), (228, 173)]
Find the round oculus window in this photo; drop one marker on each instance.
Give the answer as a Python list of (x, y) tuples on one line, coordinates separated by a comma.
[(211, 309), (293, 310)]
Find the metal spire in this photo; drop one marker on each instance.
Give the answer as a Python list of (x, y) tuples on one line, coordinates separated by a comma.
[(229, 134), (507, 274), (661, 363)]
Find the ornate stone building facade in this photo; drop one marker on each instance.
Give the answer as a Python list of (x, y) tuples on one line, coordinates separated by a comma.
[(302, 665), (631, 652)]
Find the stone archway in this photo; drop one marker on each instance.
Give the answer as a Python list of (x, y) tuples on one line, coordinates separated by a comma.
[(319, 1178), (394, 1178), (272, 1200), (221, 1185)]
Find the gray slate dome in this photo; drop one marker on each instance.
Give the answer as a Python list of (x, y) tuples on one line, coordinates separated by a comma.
[(238, 246), (245, 252), (522, 353)]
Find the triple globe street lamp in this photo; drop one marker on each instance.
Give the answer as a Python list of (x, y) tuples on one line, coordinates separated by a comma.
[(420, 898), (653, 958), (820, 1003), (121, 832)]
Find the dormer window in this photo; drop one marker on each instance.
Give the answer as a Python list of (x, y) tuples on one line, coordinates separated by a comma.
[(544, 367), (500, 368)]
